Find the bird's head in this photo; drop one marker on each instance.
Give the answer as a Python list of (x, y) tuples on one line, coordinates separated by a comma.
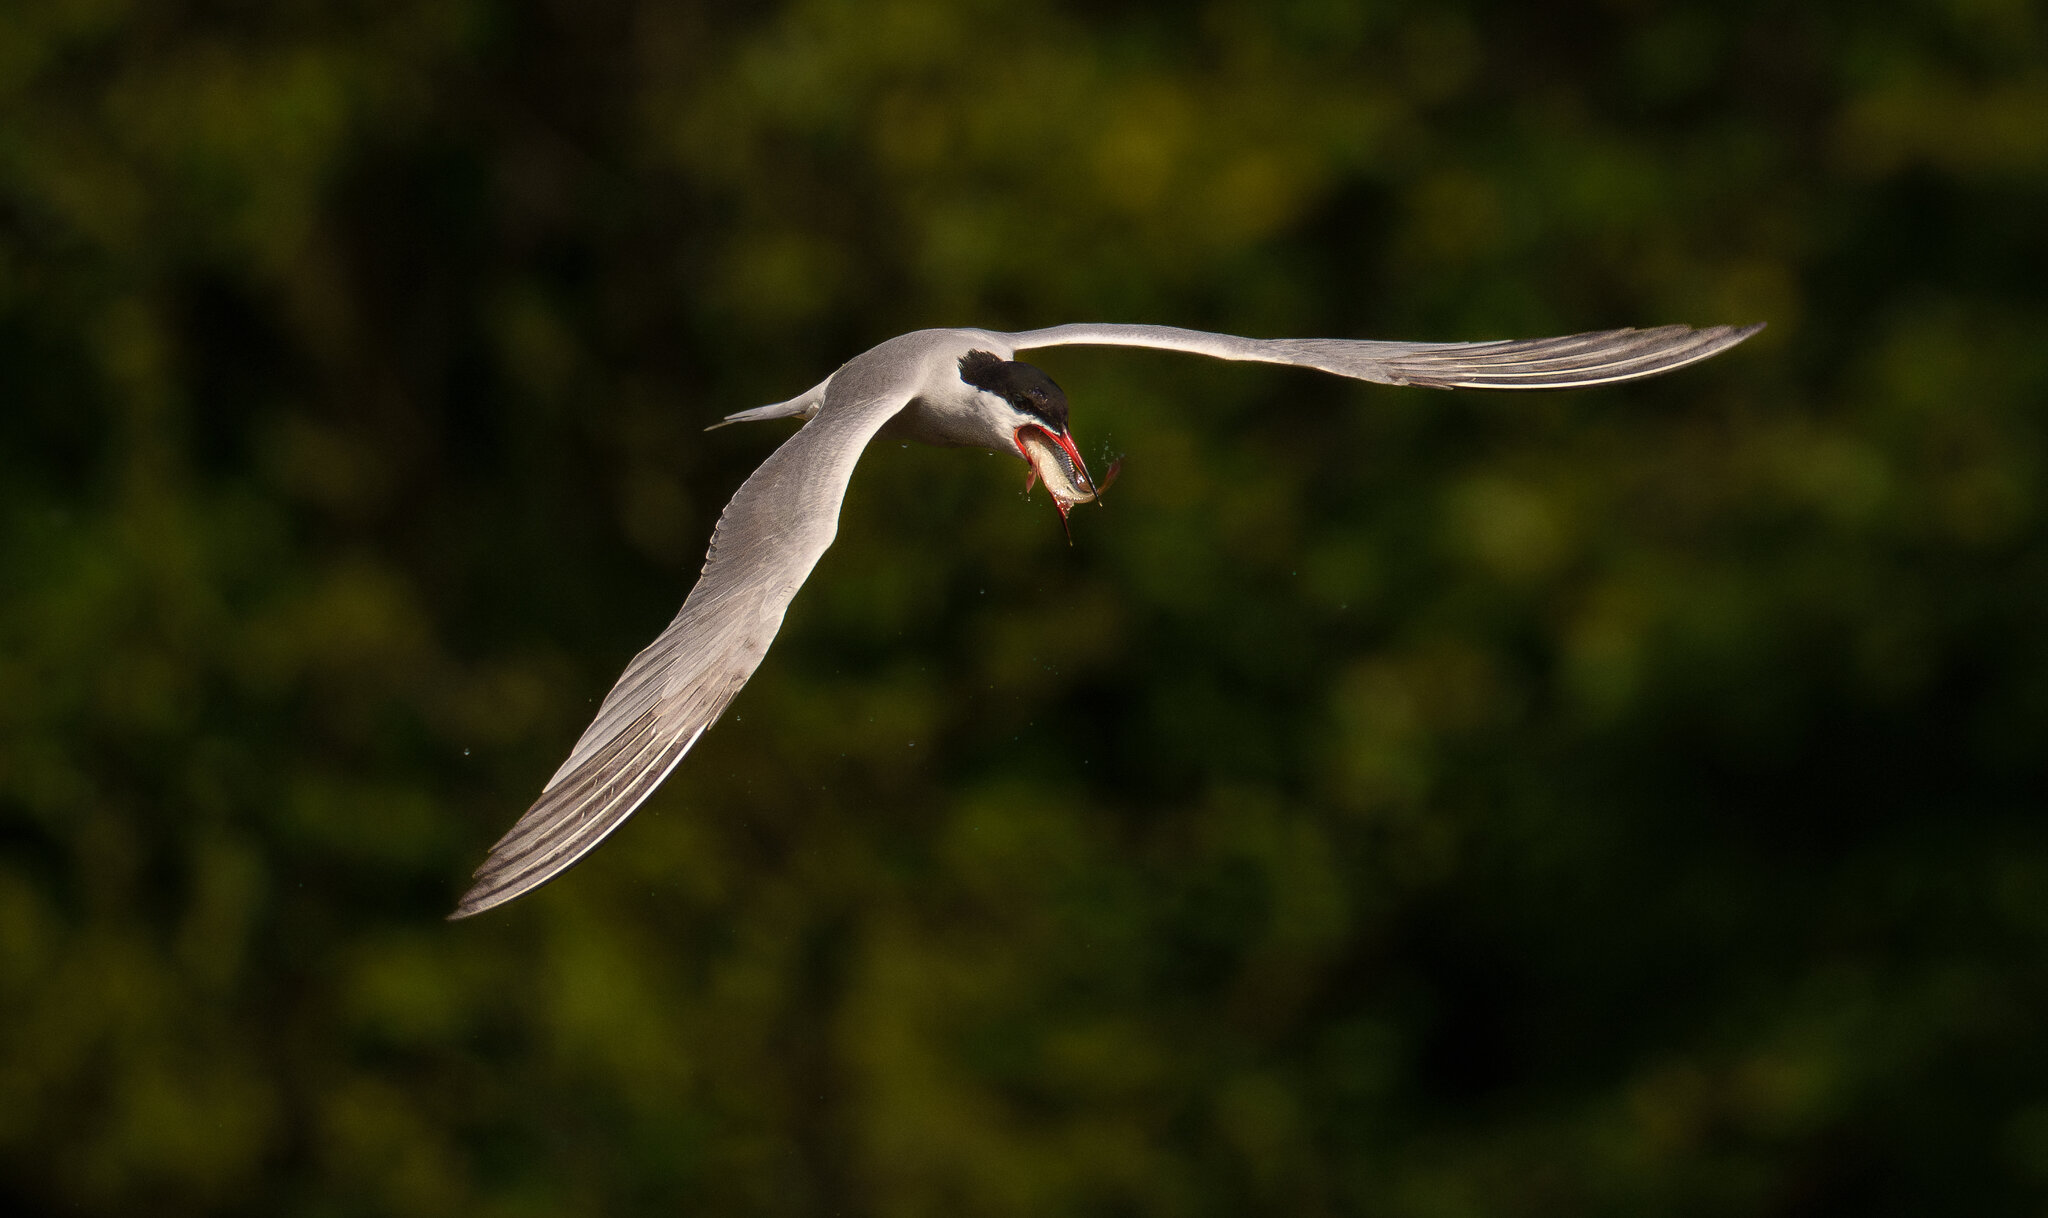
[(1032, 411)]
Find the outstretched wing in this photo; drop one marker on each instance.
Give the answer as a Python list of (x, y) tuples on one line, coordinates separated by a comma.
[(770, 536), (1600, 357)]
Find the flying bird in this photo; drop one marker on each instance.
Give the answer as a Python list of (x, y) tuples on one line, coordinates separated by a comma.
[(956, 388)]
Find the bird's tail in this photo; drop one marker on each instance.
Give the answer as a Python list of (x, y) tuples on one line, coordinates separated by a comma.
[(804, 406)]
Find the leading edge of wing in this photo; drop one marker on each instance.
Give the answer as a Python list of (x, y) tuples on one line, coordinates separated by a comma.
[(770, 536), (1597, 357)]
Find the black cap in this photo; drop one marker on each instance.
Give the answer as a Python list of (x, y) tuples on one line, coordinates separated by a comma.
[(1027, 388)]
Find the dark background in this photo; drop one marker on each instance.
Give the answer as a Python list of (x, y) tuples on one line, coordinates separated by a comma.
[(1395, 802)]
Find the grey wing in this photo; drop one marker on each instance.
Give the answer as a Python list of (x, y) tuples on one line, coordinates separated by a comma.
[(1599, 357), (769, 538)]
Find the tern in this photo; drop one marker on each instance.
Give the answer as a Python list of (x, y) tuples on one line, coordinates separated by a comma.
[(955, 388)]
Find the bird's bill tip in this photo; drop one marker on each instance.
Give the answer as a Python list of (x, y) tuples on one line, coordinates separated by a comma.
[(1066, 443)]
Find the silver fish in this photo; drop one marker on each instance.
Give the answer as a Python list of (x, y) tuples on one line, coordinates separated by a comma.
[(1066, 477)]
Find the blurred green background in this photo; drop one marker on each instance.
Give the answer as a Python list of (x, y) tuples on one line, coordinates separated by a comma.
[(1395, 802)]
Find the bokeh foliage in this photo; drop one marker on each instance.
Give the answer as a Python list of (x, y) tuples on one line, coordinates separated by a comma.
[(1395, 802)]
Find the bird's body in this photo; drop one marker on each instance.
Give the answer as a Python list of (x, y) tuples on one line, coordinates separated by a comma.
[(955, 388)]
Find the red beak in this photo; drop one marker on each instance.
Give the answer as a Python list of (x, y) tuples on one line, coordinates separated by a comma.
[(1066, 443)]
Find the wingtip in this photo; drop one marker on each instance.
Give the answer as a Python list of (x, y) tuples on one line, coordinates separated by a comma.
[(473, 902), (491, 887), (1727, 338)]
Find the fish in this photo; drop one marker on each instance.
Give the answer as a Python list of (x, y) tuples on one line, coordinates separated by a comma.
[(1066, 479)]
